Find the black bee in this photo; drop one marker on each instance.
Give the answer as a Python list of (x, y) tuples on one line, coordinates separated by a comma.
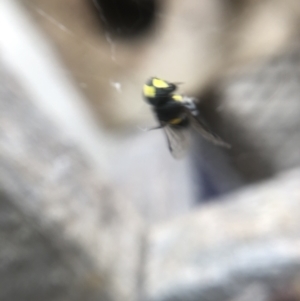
[(176, 114)]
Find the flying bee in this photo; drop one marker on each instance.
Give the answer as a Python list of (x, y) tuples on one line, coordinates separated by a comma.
[(176, 114)]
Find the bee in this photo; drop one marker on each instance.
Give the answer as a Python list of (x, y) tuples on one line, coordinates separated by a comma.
[(176, 114)]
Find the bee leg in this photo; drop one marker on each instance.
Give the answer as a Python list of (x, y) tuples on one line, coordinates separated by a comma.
[(153, 128)]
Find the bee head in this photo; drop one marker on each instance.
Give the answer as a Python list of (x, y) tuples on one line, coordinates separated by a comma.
[(157, 90)]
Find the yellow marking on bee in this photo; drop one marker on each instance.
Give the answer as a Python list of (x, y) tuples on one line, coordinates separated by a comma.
[(160, 83), (149, 91), (175, 121), (177, 97)]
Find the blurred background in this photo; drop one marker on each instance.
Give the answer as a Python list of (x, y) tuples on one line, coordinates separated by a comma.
[(95, 208)]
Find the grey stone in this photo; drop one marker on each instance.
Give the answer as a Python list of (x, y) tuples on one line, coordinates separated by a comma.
[(246, 244), (65, 233)]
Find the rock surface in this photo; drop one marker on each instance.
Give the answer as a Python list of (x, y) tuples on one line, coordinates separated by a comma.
[(72, 230), (246, 244), (65, 232)]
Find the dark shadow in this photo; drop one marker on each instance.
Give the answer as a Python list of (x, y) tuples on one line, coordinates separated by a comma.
[(250, 162), (125, 18)]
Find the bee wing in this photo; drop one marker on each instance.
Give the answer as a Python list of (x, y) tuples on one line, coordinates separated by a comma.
[(178, 140), (199, 124)]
